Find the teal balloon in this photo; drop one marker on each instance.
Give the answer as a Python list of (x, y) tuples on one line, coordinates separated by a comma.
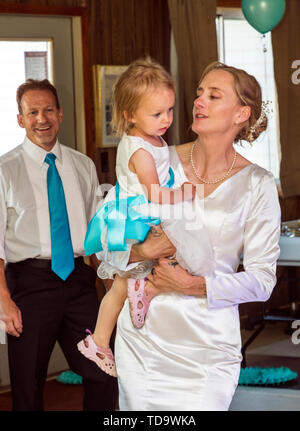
[(263, 15)]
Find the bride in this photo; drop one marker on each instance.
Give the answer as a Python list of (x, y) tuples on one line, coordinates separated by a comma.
[(187, 355)]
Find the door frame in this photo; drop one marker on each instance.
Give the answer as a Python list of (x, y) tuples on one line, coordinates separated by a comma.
[(82, 65)]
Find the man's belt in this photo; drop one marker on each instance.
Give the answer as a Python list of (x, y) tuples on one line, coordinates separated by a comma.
[(43, 263)]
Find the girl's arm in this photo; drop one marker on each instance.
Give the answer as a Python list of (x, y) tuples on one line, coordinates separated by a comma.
[(143, 165)]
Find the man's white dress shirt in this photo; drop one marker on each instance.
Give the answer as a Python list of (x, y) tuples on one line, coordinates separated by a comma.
[(24, 211)]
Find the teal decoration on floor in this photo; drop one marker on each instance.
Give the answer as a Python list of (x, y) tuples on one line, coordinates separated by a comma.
[(69, 378), (266, 376), (248, 376)]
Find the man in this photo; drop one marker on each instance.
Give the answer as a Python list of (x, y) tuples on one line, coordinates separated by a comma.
[(47, 293)]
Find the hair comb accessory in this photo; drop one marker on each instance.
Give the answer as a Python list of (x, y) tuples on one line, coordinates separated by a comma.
[(265, 109)]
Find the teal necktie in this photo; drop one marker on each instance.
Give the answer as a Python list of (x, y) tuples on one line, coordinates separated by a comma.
[(62, 256)]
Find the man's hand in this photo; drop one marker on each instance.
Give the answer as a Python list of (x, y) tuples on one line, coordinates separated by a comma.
[(156, 245), (10, 314)]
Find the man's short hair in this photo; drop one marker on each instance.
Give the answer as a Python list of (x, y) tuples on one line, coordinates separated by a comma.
[(35, 84)]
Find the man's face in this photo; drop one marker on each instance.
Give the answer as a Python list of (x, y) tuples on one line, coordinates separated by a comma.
[(40, 117)]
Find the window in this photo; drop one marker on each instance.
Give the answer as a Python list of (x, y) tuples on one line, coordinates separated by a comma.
[(240, 45), (19, 60)]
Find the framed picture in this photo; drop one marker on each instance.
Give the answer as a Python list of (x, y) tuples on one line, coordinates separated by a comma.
[(104, 78)]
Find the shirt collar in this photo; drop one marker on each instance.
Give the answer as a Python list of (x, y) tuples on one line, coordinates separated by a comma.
[(38, 154)]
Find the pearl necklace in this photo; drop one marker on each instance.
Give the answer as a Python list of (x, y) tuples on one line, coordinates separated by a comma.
[(213, 181)]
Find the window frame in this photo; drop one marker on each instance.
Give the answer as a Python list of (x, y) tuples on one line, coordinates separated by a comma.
[(235, 13)]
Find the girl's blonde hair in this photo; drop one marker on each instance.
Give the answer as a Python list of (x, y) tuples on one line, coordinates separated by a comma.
[(248, 92), (141, 76)]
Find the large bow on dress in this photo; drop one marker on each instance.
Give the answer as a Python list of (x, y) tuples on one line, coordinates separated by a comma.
[(122, 222)]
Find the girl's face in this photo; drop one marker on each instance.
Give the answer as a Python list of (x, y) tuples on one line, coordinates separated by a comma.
[(216, 108), (155, 112)]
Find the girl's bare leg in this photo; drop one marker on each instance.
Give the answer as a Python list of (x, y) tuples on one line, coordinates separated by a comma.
[(109, 310)]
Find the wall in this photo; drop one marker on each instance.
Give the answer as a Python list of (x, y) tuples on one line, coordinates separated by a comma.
[(121, 31)]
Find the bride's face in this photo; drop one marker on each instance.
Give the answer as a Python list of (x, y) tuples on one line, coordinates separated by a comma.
[(216, 108)]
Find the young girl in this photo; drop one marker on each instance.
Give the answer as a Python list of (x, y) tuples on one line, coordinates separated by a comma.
[(143, 103)]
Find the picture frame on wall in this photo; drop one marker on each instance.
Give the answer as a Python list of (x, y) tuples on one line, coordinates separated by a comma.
[(104, 78)]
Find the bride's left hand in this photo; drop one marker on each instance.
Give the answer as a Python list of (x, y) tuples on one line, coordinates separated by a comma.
[(169, 276)]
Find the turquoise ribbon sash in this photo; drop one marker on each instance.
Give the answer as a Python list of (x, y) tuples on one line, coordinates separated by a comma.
[(122, 221)]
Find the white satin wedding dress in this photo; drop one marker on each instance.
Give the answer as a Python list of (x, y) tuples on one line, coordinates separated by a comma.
[(187, 356)]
